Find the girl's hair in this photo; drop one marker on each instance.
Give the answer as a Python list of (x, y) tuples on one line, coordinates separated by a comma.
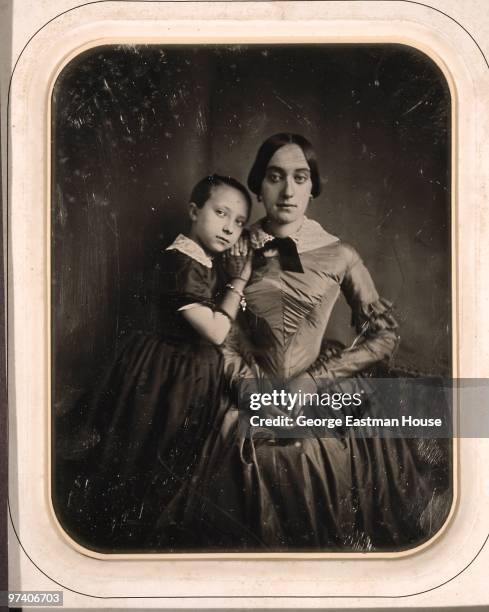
[(202, 191), (266, 151)]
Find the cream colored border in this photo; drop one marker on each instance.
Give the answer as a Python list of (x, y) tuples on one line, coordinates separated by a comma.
[(316, 555), (300, 31)]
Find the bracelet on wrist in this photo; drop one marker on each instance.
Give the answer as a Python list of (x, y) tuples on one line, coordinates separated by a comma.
[(235, 290), (242, 299)]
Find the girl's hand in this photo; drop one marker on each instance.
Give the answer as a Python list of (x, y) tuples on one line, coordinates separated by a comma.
[(248, 266), (238, 260), (241, 247)]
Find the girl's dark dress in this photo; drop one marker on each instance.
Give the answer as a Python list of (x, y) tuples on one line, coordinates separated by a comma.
[(152, 414)]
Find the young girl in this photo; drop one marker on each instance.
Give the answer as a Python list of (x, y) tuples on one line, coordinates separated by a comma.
[(159, 399)]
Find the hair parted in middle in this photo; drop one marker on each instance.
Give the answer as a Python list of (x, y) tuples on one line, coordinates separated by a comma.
[(266, 152), (203, 189)]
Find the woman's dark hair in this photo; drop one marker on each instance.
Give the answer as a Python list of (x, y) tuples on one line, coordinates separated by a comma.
[(202, 191), (266, 151)]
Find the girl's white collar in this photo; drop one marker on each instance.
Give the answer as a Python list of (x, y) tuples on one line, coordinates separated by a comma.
[(189, 247)]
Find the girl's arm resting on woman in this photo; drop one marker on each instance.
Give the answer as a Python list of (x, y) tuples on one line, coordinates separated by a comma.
[(376, 327), (214, 325)]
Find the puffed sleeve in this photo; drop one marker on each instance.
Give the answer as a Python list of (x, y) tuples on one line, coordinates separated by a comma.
[(185, 281), (371, 316)]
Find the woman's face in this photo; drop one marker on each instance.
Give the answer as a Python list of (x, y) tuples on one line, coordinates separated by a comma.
[(286, 188)]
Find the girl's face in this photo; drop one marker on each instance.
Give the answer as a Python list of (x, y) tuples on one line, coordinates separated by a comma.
[(219, 223), (286, 188)]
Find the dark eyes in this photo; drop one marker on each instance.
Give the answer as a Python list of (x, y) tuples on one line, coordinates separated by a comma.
[(276, 177), (222, 213)]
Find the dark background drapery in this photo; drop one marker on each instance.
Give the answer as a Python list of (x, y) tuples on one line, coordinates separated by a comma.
[(134, 127)]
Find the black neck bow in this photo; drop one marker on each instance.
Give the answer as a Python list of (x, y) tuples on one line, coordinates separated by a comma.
[(287, 254)]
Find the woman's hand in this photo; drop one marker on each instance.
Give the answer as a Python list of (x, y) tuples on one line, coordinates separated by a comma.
[(297, 387), (238, 260)]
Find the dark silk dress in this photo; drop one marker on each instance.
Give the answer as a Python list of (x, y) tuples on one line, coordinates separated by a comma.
[(310, 493), (149, 419)]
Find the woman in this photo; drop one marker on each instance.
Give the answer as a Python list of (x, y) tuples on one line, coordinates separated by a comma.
[(336, 493)]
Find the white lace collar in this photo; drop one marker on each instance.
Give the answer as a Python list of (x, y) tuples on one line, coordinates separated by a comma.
[(308, 237), (189, 247)]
